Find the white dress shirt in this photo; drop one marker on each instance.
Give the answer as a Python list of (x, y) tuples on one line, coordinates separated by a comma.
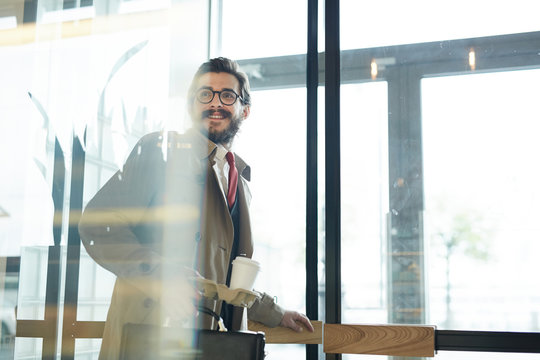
[(221, 168)]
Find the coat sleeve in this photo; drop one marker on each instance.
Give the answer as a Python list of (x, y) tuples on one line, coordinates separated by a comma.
[(108, 224), (266, 311)]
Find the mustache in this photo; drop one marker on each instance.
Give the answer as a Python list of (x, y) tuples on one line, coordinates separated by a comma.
[(223, 112)]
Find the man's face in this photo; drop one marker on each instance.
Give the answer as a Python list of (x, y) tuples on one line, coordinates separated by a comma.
[(218, 121)]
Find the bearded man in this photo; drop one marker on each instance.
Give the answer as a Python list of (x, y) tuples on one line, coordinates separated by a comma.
[(178, 207)]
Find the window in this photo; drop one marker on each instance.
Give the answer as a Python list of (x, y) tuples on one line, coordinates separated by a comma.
[(479, 136)]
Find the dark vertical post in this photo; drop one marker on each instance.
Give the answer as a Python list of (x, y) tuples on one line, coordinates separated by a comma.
[(73, 251), (52, 289), (312, 83), (30, 11), (12, 272), (69, 4), (215, 24), (333, 165), (209, 37), (59, 175)]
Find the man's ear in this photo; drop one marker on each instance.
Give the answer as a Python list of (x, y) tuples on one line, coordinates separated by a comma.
[(246, 111)]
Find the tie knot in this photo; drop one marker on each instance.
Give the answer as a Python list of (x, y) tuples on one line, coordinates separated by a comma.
[(230, 158)]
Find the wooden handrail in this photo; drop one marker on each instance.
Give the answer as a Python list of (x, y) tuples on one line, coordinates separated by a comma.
[(392, 340)]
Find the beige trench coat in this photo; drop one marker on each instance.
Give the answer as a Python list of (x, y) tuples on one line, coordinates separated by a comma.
[(162, 213)]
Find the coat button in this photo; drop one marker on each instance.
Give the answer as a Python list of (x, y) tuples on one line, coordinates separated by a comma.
[(148, 302), (144, 267), (197, 236)]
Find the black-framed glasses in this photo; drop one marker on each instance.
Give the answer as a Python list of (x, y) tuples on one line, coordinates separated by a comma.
[(227, 97)]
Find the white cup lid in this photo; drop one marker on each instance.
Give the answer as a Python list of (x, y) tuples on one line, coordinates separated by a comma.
[(247, 261)]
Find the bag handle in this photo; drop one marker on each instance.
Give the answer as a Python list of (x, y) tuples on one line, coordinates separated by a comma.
[(213, 314)]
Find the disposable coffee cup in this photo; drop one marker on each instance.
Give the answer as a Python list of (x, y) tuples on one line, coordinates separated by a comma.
[(244, 273)]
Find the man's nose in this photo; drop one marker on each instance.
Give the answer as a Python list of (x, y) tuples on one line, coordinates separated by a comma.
[(216, 101)]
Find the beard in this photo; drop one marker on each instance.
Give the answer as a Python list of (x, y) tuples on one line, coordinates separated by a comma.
[(225, 136)]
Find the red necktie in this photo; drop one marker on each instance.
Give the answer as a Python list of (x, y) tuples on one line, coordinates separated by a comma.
[(233, 179)]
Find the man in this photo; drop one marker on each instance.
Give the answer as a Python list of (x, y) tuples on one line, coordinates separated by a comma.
[(180, 203)]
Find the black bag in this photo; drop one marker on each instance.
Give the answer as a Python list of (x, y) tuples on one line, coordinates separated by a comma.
[(145, 342)]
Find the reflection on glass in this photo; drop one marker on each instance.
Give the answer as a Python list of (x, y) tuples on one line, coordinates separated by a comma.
[(26, 162), (480, 146), (86, 79)]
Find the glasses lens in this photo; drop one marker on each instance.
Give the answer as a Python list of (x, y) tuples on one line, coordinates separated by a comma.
[(205, 96), (227, 97)]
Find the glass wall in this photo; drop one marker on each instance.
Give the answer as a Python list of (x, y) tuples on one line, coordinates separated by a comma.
[(364, 203), (273, 145), (457, 249), (479, 139), (273, 142)]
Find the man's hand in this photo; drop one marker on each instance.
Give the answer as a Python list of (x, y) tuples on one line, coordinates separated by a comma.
[(179, 296), (291, 318)]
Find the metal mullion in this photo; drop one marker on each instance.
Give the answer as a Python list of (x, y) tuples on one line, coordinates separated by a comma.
[(49, 334), (73, 252), (312, 83), (88, 329), (30, 11), (69, 4), (405, 244), (33, 328), (52, 294), (487, 341), (333, 167)]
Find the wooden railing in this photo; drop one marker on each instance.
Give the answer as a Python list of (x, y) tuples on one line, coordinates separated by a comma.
[(393, 340), (401, 340)]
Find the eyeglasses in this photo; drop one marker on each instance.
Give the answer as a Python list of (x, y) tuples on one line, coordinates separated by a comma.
[(227, 97)]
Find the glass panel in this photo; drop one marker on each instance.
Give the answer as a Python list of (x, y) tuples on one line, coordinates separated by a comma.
[(364, 201), (87, 349), (9, 283), (28, 348), (142, 75), (26, 207), (124, 114), (275, 148), (273, 24), (107, 76), (480, 149), (395, 22), (32, 283)]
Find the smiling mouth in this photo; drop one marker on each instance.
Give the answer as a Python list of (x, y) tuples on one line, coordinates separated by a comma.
[(218, 114)]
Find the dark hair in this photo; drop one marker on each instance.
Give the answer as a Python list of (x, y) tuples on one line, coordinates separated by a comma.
[(217, 65)]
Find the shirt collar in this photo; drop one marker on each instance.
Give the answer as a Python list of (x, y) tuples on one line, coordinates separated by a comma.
[(217, 150), (221, 151)]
